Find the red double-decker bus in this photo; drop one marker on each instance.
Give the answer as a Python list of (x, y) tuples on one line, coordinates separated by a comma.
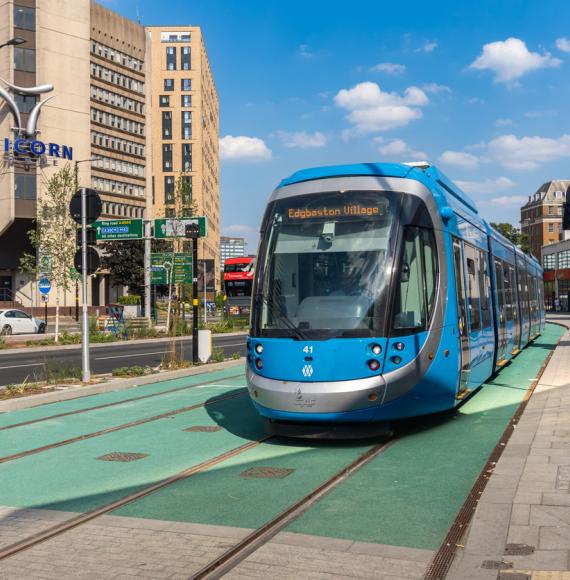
[(238, 282)]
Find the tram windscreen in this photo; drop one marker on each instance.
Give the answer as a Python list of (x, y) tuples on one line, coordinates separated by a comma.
[(326, 266)]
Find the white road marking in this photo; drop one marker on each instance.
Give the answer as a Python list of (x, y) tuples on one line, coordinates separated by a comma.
[(130, 355), (20, 366)]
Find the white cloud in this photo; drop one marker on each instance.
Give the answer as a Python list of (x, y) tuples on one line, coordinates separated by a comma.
[(506, 200), (510, 59), (239, 229), (487, 185), (243, 149), (399, 148), (389, 68), (503, 122), (427, 47), (459, 159), (563, 44), (371, 109), (434, 88), (304, 52), (302, 139), (527, 152)]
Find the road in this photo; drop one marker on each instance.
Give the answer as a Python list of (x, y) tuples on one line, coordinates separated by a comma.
[(18, 365)]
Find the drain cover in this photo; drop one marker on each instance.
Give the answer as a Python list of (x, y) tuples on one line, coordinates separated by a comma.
[(515, 575), (203, 429), (122, 456), (496, 565), (518, 549), (267, 472)]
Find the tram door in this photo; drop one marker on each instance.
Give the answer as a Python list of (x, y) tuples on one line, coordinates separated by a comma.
[(462, 314), (502, 321), (516, 300)]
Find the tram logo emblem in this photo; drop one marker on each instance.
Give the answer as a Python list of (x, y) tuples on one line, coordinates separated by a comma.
[(307, 371)]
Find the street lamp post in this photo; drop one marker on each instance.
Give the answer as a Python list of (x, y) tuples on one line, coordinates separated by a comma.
[(14, 41)]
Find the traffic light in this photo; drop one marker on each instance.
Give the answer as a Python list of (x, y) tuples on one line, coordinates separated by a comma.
[(93, 259)]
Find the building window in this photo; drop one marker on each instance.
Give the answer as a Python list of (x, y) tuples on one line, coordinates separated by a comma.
[(550, 210), (25, 185), (164, 100), (564, 259), (186, 100), (170, 58), (24, 17), (25, 59), (549, 261), (186, 125), (168, 189), (25, 102), (550, 228), (185, 58), (168, 84), (186, 84), (186, 157), (167, 157), (167, 125), (186, 189)]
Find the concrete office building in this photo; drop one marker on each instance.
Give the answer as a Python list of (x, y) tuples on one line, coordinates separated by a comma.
[(100, 66), (231, 248), (541, 216)]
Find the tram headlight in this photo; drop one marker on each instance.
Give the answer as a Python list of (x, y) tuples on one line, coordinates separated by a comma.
[(376, 349), (399, 346), (396, 359), (258, 363), (373, 365), (258, 348)]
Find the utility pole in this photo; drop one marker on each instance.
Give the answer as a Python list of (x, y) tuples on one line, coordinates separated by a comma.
[(147, 272), (85, 368)]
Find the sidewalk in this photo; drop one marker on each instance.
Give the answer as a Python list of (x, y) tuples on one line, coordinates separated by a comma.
[(521, 528)]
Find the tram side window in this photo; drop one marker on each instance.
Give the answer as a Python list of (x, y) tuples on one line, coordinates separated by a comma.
[(484, 289), (473, 296), (514, 297), (508, 291), (523, 288), (415, 293)]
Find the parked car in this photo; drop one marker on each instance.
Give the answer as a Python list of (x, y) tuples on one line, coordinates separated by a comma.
[(18, 322)]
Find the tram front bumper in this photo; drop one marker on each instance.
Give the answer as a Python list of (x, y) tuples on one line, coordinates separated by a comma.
[(313, 401)]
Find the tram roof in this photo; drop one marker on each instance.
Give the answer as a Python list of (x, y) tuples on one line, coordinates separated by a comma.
[(427, 174)]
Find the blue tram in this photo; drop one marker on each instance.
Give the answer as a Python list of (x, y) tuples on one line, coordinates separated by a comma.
[(380, 293)]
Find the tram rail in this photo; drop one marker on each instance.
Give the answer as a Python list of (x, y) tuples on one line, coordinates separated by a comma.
[(136, 423), (115, 403)]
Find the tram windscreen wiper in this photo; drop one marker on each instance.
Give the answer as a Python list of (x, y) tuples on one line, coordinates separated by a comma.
[(276, 312)]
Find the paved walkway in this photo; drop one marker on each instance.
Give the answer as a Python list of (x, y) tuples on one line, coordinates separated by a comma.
[(521, 528)]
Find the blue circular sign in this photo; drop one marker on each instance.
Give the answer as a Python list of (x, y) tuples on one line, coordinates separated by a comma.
[(44, 286)]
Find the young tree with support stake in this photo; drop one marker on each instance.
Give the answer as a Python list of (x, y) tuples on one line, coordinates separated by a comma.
[(54, 235)]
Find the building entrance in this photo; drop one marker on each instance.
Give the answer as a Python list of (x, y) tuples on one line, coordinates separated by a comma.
[(5, 288)]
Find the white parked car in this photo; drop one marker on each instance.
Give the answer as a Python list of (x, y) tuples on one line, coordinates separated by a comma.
[(18, 322)]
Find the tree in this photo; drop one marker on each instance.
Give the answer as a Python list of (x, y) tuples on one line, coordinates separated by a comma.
[(54, 235), (125, 261), (509, 231)]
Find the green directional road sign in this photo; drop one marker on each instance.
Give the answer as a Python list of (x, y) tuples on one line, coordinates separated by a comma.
[(161, 265), (118, 229), (176, 227)]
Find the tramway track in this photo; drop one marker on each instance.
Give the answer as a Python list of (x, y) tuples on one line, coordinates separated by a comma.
[(114, 404), (259, 537), (136, 423), (74, 522), (234, 555)]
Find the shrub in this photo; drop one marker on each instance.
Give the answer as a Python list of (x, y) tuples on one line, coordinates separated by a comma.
[(236, 355), (134, 371), (218, 355), (129, 300)]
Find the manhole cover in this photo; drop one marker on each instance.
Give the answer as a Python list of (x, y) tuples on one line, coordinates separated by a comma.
[(518, 549), (514, 575), (122, 456), (496, 565), (267, 472), (203, 429)]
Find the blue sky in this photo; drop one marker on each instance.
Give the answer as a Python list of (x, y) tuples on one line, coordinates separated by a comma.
[(479, 88)]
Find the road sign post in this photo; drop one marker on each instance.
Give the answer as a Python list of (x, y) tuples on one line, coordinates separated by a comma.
[(193, 231), (85, 207)]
